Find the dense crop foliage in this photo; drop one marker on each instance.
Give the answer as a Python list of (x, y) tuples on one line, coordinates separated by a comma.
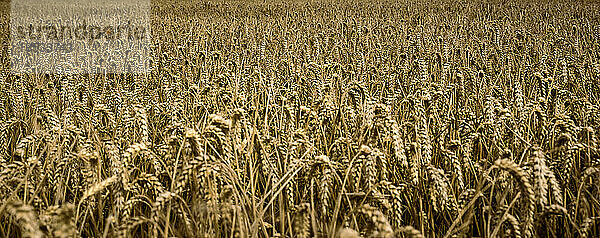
[(318, 118)]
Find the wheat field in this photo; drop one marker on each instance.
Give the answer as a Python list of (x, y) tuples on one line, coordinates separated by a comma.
[(324, 118)]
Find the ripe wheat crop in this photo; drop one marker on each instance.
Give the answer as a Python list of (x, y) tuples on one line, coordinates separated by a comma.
[(325, 118)]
